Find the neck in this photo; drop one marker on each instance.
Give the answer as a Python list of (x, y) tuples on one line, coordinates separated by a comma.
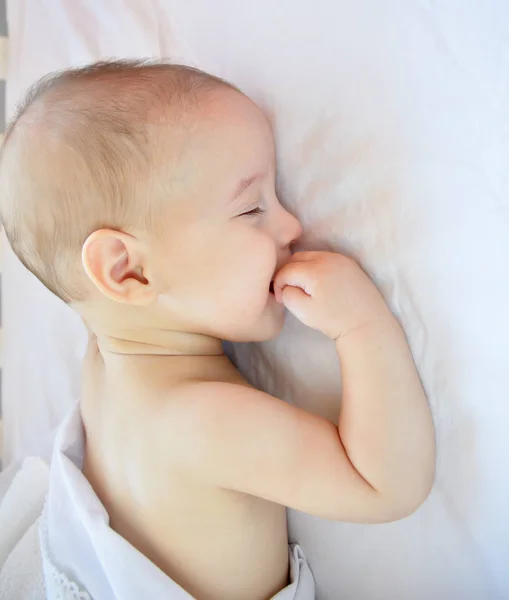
[(159, 342), (122, 330)]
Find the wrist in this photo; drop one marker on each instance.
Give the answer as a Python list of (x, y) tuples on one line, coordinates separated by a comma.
[(384, 325)]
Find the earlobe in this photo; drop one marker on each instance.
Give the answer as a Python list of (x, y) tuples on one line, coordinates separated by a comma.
[(116, 264)]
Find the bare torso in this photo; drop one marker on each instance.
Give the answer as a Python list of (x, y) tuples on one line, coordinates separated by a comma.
[(217, 544)]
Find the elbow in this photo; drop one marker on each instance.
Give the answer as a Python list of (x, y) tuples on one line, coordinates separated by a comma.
[(403, 509), (408, 500), (380, 507), (415, 487)]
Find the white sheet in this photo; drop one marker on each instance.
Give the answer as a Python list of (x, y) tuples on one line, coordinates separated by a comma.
[(392, 122)]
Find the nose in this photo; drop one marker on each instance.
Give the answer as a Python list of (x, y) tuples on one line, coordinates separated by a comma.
[(290, 229)]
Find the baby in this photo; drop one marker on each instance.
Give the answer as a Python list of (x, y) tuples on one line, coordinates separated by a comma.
[(143, 195)]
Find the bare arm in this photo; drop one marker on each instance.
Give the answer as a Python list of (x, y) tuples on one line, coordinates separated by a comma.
[(378, 465), (385, 423)]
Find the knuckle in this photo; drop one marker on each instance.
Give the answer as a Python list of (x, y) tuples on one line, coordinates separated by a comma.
[(283, 271)]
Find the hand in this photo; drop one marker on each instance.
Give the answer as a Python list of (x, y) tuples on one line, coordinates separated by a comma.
[(329, 292)]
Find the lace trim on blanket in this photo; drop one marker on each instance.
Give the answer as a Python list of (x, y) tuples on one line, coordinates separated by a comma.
[(58, 585)]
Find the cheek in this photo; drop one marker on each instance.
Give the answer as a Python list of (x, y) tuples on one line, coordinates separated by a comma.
[(250, 265), (239, 278), (224, 275)]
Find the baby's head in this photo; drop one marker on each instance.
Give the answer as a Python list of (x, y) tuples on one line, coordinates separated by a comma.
[(144, 193)]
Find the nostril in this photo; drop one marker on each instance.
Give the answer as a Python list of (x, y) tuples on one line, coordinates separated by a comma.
[(293, 242), (297, 232)]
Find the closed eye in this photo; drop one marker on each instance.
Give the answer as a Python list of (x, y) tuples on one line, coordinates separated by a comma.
[(254, 212)]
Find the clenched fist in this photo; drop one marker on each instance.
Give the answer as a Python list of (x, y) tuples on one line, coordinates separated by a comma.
[(329, 292)]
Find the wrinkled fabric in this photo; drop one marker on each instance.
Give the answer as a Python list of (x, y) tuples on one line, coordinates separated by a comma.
[(21, 573)]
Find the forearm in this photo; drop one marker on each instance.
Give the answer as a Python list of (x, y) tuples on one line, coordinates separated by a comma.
[(385, 424)]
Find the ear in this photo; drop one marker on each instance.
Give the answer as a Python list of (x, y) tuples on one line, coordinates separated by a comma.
[(116, 263)]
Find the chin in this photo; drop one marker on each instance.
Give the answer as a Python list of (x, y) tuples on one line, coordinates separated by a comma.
[(269, 329), (262, 328), (276, 331)]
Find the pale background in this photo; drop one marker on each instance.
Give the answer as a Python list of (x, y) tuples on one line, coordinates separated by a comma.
[(3, 69)]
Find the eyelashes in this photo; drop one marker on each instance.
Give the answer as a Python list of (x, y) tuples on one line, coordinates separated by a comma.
[(254, 212)]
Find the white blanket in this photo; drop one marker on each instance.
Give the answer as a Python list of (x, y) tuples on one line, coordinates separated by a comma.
[(392, 125)]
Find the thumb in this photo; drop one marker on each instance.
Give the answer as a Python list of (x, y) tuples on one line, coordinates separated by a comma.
[(295, 300)]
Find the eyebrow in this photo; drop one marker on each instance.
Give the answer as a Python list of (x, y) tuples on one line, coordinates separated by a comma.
[(244, 184)]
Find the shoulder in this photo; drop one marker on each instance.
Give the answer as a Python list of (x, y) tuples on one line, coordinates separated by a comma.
[(197, 405), (207, 419), (200, 406)]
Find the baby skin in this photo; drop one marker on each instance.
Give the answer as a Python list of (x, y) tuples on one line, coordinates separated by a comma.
[(194, 466)]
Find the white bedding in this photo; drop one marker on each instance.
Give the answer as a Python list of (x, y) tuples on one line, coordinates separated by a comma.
[(392, 123)]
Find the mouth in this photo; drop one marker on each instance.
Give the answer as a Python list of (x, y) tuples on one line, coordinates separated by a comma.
[(271, 288)]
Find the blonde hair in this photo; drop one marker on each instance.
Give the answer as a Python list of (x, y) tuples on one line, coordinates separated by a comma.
[(77, 154)]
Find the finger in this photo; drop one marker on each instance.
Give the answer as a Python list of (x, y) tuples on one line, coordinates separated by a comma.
[(295, 275), (295, 300)]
